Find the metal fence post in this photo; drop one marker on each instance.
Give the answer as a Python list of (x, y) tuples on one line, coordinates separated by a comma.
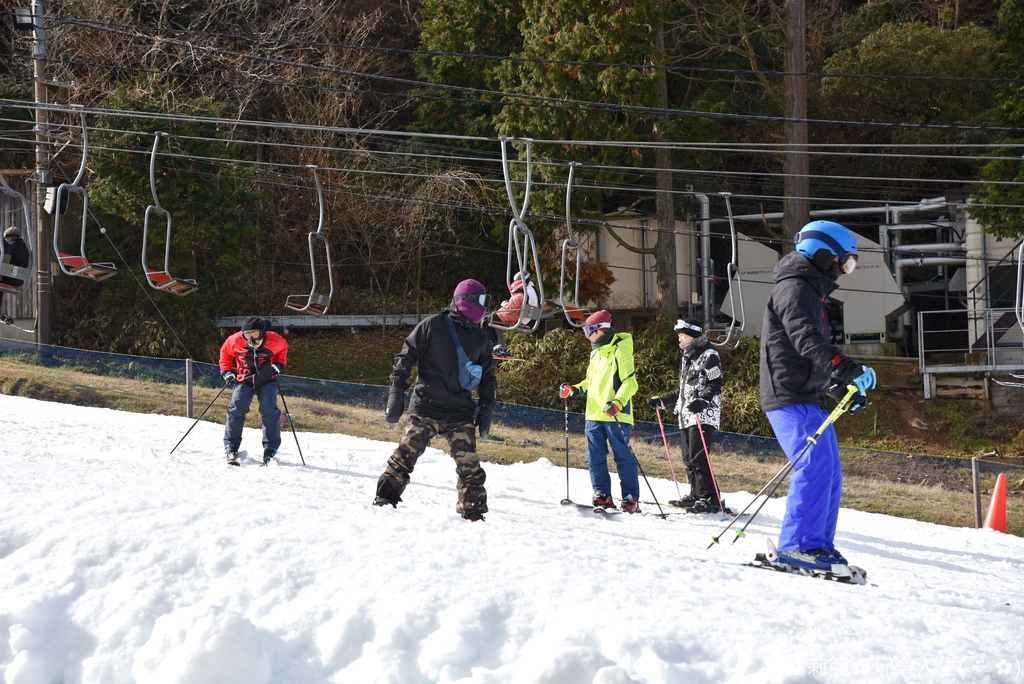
[(188, 387), (975, 479)]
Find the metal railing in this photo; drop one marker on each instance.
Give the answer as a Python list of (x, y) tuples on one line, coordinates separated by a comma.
[(959, 341)]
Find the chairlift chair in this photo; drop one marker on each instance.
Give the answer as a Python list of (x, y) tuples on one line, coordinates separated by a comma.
[(730, 336), (161, 279), (316, 302), (522, 245), (575, 315), (78, 264), (7, 269)]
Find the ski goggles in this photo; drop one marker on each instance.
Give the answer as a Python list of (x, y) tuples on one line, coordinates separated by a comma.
[(252, 335), (849, 264), (483, 299), (589, 330)]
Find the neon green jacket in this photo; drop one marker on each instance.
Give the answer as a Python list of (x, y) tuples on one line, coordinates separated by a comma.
[(611, 375)]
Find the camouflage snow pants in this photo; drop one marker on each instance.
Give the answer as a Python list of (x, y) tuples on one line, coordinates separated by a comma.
[(419, 430)]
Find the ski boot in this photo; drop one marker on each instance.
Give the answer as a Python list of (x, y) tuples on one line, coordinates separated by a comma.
[(231, 455), (630, 505)]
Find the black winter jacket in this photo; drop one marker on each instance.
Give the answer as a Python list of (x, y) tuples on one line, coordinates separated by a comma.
[(19, 255), (796, 354), (700, 377), (437, 393)]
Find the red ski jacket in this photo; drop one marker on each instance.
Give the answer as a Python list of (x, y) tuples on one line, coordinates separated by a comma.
[(252, 366)]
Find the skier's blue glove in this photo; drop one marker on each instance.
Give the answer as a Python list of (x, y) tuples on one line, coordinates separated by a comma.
[(229, 376), (277, 368), (852, 373), (858, 401)]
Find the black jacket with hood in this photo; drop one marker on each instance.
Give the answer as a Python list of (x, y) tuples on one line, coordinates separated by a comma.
[(797, 357), (437, 393)]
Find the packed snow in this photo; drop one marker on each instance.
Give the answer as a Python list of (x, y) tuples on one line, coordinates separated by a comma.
[(122, 562)]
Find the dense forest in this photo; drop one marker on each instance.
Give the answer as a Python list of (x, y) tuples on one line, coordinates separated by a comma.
[(400, 106)]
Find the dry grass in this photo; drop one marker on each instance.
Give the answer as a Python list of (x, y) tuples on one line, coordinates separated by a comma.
[(948, 501)]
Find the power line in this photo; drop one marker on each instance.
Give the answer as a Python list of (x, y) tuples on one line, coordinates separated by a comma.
[(121, 28)]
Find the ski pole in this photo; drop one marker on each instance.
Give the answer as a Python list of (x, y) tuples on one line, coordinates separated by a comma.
[(622, 432), (566, 500), (839, 410), (201, 415), (290, 423), (707, 455), (667, 452)]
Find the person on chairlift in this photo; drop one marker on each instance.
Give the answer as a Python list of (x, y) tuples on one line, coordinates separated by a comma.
[(16, 253)]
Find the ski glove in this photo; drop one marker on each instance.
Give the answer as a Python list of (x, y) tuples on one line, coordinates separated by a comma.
[(483, 420), (396, 405), (837, 389), (229, 376), (277, 368), (697, 405), (656, 403), (611, 408), (852, 373), (565, 390)]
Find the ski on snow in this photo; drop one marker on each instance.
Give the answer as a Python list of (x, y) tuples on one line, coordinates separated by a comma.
[(847, 574), (591, 507)]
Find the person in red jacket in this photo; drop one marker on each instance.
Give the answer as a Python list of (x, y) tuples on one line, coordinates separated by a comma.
[(252, 359)]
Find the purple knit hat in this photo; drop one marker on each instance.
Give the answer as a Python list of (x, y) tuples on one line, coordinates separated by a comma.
[(471, 299)]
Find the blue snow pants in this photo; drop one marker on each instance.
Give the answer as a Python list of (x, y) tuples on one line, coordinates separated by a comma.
[(816, 483), (238, 409), (601, 433)]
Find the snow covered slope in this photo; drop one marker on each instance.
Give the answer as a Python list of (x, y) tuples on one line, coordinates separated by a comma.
[(122, 563)]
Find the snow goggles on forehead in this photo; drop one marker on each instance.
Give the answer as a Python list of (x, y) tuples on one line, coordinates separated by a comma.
[(849, 264), (589, 330), (252, 335), (483, 299)]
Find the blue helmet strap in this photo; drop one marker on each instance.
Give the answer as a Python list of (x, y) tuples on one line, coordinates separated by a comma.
[(836, 248)]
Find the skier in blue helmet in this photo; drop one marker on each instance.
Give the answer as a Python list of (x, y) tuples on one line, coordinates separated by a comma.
[(800, 367)]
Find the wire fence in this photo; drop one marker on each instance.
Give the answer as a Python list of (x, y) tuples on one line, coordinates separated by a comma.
[(894, 465)]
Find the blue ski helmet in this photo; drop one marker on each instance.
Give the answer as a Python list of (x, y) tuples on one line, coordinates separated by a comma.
[(837, 239)]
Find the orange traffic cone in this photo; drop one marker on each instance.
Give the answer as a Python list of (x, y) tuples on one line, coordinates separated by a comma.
[(996, 518)]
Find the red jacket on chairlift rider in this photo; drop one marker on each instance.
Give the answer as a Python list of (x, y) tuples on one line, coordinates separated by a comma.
[(510, 311)]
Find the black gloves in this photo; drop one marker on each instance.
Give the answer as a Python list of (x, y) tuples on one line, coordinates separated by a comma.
[(697, 405), (656, 403), (837, 389), (277, 368), (229, 376), (850, 372), (483, 420), (396, 405)]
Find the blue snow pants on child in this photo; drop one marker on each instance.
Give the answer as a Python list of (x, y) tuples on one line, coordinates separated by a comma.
[(238, 409), (816, 483), (601, 433)]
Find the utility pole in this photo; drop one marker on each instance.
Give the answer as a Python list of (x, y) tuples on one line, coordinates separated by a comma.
[(796, 205), (44, 280)]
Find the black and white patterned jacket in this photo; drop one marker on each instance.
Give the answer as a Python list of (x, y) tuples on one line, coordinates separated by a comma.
[(700, 377)]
